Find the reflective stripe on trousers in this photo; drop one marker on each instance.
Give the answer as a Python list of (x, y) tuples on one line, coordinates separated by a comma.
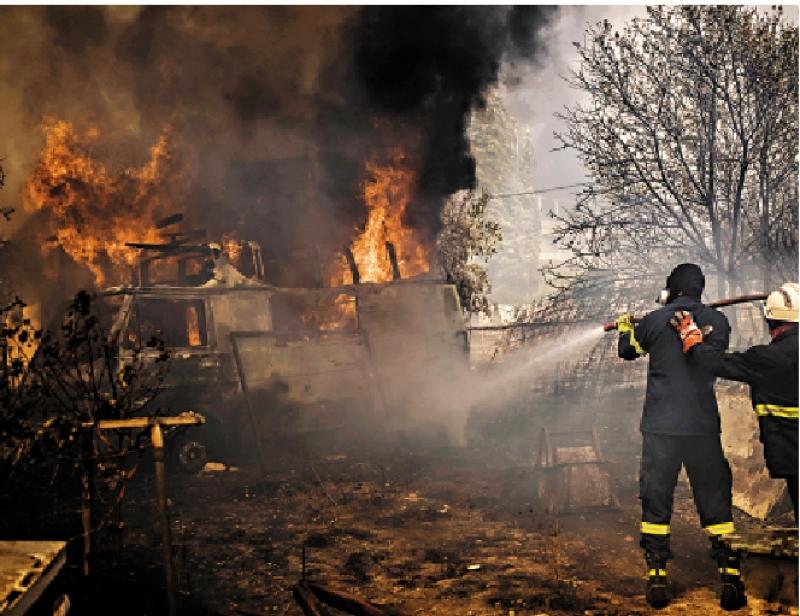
[(649, 528), (725, 528), (787, 412)]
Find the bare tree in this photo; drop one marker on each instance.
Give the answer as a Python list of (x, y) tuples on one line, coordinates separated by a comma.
[(690, 134)]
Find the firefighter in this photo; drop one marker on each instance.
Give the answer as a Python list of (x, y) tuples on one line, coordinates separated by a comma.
[(770, 370), (680, 427)]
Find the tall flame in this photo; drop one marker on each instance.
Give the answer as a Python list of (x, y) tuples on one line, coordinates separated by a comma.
[(386, 192), (94, 212)]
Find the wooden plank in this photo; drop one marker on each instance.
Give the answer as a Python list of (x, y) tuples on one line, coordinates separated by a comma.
[(27, 568), (144, 422), (157, 438), (345, 602)]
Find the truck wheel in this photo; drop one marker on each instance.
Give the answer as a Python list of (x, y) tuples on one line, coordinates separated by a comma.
[(191, 453)]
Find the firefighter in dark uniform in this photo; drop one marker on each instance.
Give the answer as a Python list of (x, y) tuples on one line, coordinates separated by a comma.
[(680, 427), (770, 370)]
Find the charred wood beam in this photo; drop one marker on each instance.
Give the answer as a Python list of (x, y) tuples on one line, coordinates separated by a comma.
[(169, 220), (344, 601), (307, 601), (392, 254), (351, 262)]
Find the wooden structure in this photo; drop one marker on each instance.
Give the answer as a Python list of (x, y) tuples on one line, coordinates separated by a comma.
[(28, 578), (157, 438), (571, 472)]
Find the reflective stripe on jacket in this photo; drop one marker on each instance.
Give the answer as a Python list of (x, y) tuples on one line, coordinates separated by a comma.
[(771, 372)]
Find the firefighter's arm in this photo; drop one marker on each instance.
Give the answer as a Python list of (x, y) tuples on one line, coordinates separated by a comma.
[(630, 346), (706, 347), (691, 335), (742, 367)]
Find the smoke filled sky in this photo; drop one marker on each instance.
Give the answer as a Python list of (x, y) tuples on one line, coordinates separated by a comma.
[(544, 92), (271, 112)]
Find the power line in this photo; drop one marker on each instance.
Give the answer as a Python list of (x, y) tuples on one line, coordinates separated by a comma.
[(538, 192)]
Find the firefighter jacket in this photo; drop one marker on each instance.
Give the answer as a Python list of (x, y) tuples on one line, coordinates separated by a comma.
[(680, 398), (771, 372)]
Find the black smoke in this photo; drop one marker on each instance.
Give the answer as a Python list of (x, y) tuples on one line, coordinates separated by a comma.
[(273, 110), (434, 65)]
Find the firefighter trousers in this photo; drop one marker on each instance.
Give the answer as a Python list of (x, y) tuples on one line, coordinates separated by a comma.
[(710, 478)]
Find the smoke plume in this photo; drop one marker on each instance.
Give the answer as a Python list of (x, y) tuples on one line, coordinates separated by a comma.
[(271, 111)]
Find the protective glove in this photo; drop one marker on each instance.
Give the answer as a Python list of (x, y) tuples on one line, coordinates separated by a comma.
[(687, 329), (624, 324)]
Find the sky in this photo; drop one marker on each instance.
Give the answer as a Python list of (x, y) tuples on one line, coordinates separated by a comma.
[(544, 91)]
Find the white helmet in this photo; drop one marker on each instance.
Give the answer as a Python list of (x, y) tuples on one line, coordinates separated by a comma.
[(783, 304)]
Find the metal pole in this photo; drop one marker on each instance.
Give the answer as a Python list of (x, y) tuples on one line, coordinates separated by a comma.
[(157, 437), (246, 395)]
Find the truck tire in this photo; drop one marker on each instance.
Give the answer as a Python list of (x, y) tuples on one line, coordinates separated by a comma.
[(194, 447), (191, 453)]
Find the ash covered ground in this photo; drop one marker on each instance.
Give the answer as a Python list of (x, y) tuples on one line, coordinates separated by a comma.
[(442, 532)]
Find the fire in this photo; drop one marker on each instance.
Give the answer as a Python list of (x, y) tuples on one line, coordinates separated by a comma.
[(386, 192), (232, 247), (19, 343), (342, 317), (93, 211), (193, 327)]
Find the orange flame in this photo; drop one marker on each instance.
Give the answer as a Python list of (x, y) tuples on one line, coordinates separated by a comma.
[(93, 212), (193, 327), (386, 193), (231, 247), (343, 317)]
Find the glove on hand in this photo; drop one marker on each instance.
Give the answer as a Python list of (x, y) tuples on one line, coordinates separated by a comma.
[(690, 333), (624, 323)]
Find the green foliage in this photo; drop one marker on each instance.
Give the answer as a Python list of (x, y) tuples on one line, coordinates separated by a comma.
[(468, 237)]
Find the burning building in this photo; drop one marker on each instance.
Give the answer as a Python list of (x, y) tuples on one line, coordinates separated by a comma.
[(261, 189)]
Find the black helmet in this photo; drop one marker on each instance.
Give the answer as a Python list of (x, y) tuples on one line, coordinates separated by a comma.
[(687, 279)]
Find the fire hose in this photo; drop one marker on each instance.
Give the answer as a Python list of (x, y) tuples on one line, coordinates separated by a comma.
[(741, 299)]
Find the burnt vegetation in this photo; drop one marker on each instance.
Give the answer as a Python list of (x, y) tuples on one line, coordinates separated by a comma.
[(57, 386)]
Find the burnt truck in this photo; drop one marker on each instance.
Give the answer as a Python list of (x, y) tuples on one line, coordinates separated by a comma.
[(264, 365)]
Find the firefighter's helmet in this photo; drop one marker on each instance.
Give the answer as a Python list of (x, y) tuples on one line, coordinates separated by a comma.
[(783, 304)]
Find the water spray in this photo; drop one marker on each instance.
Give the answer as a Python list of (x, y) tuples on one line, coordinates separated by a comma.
[(740, 299)]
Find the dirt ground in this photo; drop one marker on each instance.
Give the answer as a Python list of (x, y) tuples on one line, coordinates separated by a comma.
[(443, 532)]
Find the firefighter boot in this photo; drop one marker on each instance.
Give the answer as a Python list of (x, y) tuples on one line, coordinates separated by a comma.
[(732, 596), (656, 593)]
